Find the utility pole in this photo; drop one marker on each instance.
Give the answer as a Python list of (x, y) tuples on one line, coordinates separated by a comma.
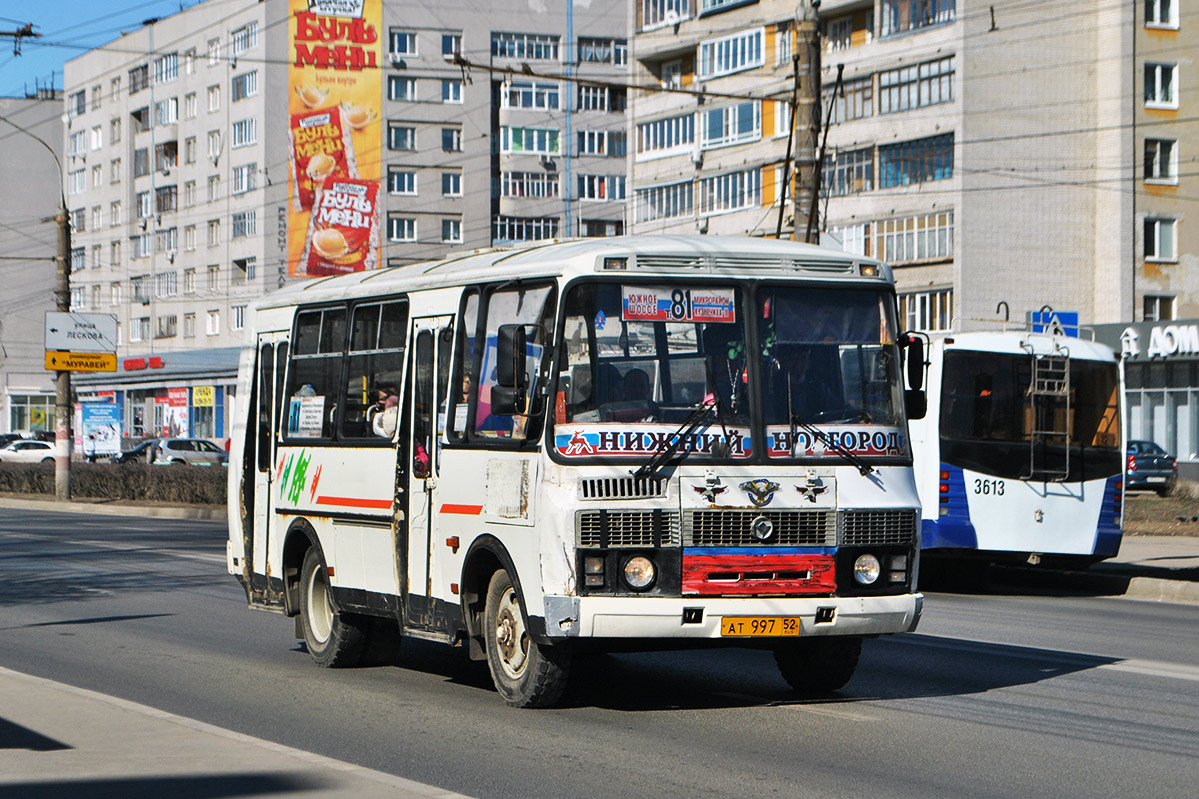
[(18, 35), (62, 379), (806, 122)]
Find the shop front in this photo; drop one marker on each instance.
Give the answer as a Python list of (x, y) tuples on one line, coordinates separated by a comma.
[(1161, 378)]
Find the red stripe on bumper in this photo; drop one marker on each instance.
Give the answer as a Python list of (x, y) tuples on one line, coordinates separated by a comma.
[(741, 575)]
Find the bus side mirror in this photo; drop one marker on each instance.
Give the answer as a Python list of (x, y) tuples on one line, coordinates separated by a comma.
[(508, 393), (915, 403), (915, 347)]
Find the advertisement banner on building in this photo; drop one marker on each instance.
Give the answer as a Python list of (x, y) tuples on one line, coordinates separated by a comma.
[(175, 422), (102, 428), (335, 136)]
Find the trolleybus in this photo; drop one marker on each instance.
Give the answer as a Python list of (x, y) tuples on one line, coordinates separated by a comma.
[(642, 442), (1019, 458)]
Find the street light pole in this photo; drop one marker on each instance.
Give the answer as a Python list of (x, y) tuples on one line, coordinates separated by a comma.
[(62, 301)]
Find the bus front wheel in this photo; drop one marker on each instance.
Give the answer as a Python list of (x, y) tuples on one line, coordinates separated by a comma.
[(818, 665), (333, 638), (524, 673)]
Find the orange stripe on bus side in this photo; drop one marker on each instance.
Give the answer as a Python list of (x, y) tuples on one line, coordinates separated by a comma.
[(355, 502), (465, 510)]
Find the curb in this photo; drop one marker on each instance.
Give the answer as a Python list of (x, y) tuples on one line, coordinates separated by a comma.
[(200, 513)]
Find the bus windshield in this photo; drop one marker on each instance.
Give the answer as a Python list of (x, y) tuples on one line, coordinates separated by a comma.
[(989, 422), (640, 359)]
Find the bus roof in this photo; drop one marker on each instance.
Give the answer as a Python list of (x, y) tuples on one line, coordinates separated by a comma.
[(724, 256), (1019, 342)]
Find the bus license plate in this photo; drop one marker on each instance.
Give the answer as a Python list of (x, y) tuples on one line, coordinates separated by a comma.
[(752, 626)]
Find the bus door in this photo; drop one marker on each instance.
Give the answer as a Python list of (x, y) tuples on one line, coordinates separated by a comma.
[(431, 337), (268, 390)]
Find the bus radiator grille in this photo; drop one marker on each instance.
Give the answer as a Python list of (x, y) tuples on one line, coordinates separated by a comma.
[(874, 527), (632, 528), (734, 528), (621, 488)]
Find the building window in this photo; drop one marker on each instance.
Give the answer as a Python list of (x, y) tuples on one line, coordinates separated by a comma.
[(97, 137), (166, 112), (190, 106), (245, 223), (114, 213), (451, 231), (853, 239), (114, 253), (244, 38), (1157, 308), (400, 181), (916, 238), (905, 15), (139, 78), (847, 172), (166, 68), (165, 199), (114, 88), (664, 202), (656, 13), (247, 269), (189, 325), (926, 310), (530, 140), (166, 156), (451, 140), (214, 323), (114, 293), (167, 326), (512, 228), (79, 298), (603, 51), (97, 249), (79, 220), (139, 329), (1160, 85), (245, 178), (451, 45), (166, 284), (401, 137), (529, 94), (214, 278), (189, 281), (77, 143), (1161, 13), (214, 144), (401, 228), (1161, 162), (403, 42), (598, 228), (214, 98), (525, 46), (168, 241), (451, 184), (77, 181), (915, 161), (114, 170), (189, 150), (239, 317), (592, 142), (916, 86), (245, 132), (214, 52), (140, 246), (671, 76), (214, 188), (114, 130), (243, 86), (189, 238), (214, 232), (1159, 239), (189, 193), (139, 286), (733, 124), (77, 103), (601, 187), (451, 91), (596, 98), (529, 184), (730, 192), (401, 88), (665, 137), (728, 54)]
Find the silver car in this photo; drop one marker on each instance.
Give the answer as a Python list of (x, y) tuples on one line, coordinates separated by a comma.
[(196, 451)]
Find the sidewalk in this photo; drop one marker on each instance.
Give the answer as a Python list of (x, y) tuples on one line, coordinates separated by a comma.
[(69, 743)]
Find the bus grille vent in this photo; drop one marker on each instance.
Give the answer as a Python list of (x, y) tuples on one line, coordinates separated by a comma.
[(634, 528), (873, 527), (734, 528), (670, 262), (621, 488)]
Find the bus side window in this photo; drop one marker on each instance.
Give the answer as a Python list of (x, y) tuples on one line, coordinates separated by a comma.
[(464, 367), (315, 373), (376, 362), (531, 307), (266, 390)]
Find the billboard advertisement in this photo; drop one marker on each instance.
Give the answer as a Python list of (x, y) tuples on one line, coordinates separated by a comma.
[(101, 423), (335, 136)]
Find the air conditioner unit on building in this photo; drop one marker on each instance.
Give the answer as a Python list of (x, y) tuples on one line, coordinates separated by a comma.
[(671, 17), (397, 60)]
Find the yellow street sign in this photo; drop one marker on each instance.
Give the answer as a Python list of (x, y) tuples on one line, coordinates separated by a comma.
[(81, 361)]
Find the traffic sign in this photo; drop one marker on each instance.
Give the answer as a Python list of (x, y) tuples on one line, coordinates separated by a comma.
[(81, 361), (81, 332)]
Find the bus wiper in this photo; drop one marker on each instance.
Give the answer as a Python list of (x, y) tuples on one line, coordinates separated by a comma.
[(859, 464), (669, 446)]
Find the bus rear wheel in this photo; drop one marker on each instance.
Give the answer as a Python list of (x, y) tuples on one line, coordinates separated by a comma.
[(818, 665), (525, 673), (333, 638)]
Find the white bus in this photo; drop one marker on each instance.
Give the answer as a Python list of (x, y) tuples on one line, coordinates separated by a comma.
[(1019, 458), (623, 443)]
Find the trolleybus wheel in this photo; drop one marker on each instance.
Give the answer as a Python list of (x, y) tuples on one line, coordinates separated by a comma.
[(525, 674), (332, 638), (818, 664)]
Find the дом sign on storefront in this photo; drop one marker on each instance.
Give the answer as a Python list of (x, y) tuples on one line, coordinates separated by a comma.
[(335, 136)]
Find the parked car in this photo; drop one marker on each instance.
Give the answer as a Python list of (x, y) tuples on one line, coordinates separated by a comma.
[(142, 453), (8, 438), (28, 451), (1150, 467), (190, 450)]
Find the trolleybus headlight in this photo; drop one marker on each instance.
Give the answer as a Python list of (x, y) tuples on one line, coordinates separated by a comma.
[(639, 572), (866, 569)]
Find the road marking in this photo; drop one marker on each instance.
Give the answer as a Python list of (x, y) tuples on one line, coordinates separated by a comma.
[(1155, 668)]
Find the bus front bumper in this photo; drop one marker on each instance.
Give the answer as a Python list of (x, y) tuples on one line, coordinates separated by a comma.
[(700, 617)]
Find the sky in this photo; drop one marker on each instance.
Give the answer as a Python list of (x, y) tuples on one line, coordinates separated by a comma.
[(68, 28)]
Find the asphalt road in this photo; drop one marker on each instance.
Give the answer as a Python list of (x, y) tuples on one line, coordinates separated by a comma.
[(996, 696)]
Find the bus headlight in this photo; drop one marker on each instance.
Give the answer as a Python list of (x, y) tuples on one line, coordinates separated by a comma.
[(639, 572), (866, 569)]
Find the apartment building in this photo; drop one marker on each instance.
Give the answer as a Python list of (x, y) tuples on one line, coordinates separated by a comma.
[(29, 242), (488, 142)]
